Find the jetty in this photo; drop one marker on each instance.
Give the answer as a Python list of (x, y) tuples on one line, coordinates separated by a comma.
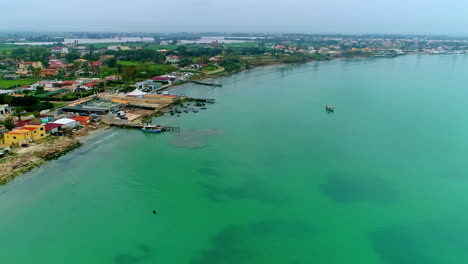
[(203, 100), (206, 83), (140, 126)]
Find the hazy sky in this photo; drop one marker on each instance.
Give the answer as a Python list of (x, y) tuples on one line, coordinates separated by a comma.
[(320, 16)]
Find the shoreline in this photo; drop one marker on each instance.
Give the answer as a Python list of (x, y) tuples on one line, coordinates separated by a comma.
[(65, 144), (26, 159)]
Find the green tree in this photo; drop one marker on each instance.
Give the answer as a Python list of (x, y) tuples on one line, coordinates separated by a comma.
[(128, 72), (19, 53), (9, 123), (71, 57), (36, 72), (18, 112), (111, 62), (182, 50)]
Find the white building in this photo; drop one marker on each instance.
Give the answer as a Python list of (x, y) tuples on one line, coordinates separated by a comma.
[(61, 50), (66, 122), (172, 59), (147, 85), (5, 109)]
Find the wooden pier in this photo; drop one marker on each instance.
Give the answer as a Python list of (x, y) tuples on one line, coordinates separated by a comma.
[(140, 126), (203, 100), (205, 83)]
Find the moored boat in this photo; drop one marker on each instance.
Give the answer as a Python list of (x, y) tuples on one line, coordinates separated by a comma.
[(152, 129), (330, 108)]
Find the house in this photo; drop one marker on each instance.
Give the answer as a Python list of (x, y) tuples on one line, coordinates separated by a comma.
[(89, 86), (25, 123), (105, 57), (52, 128), (83, 120), (95, 64), (61, 50), (38, 131), (24, 135), (215, 59), (280, 47), (49, 72), (172, 59), (5, 109), (23, 67), (57, 64), (66, 122)]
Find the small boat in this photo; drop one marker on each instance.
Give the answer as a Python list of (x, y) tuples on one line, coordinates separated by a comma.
[(330, 108), (152, 129)]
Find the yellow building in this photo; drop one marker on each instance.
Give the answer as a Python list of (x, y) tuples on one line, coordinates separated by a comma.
[(24, 135), (38, 131)]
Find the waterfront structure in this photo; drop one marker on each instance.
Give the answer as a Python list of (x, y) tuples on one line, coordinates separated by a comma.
[(24, 135), (66, 122), (92, 106), (147, 85)]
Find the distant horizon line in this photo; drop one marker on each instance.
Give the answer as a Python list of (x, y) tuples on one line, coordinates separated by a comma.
[(238, 32)]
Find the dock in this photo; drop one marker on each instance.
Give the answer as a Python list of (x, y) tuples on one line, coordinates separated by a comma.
[(203, 100), (140, 126), (206, 83)]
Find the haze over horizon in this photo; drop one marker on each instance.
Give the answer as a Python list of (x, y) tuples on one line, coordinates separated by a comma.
[(340, 16)]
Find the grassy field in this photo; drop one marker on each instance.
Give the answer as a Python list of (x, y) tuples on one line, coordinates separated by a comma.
[(151, 69), (242, 45), (5, 49), (59, 104), (6, 84)]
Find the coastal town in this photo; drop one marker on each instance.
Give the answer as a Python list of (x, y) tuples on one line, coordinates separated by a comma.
[(54, 92)]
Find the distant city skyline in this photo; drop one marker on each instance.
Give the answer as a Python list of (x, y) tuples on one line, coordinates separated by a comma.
[(300, 16)]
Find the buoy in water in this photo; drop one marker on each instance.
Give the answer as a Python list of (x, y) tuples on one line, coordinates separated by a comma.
[(154, 211)]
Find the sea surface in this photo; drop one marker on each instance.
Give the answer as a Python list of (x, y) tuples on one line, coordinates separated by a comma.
[(266, 176)]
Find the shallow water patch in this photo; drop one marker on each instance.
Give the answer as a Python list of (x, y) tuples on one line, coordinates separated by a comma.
[(193, 139), (441, 241), (343, 187), (252, 189), (260, 242)]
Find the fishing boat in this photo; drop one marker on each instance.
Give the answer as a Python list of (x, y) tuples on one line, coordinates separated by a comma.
[(152, 129), (330, 108)]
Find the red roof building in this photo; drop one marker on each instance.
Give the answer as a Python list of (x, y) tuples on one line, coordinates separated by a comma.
[(66, 83), (90, 85), (25, 123), (95, 64), (56, 64), (52, 126), (83, 120), (160, 78)]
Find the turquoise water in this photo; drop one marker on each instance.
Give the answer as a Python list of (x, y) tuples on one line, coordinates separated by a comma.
[(266, 176)]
